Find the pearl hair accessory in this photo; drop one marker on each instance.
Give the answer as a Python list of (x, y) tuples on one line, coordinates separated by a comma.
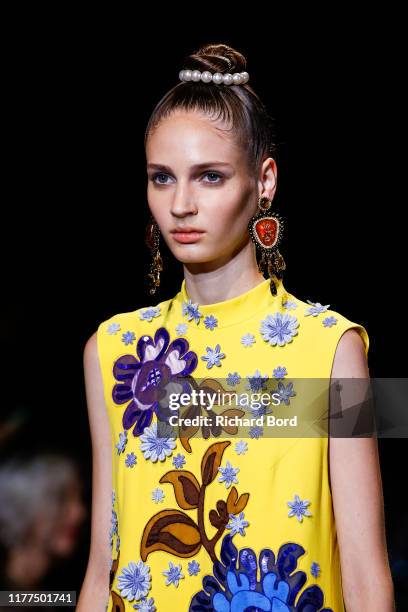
[(238, 78)]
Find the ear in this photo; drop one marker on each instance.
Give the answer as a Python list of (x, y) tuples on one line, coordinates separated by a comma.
[(268, 178)]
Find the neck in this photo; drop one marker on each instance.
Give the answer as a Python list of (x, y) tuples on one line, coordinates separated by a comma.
[(210, 282)]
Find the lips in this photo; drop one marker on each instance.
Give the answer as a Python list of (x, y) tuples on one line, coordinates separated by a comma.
[(187, 235)]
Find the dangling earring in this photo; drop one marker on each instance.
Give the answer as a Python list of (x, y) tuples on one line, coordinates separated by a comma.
[(266, 232), (152, 241)]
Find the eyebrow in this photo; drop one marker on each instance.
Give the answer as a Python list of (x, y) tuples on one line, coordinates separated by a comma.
[(194, 167)]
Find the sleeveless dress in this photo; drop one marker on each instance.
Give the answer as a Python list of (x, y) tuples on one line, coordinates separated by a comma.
[(215, 517)]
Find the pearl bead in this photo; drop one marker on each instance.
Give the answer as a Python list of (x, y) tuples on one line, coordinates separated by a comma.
[(196, 75), (181, 75), (237, 78), (206, 76), (227, 79), (246, 77), (187, 75), (217, 78)]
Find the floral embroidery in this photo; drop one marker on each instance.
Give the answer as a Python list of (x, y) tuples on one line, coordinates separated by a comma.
[(134, 582), (241, 447), (237, 524), (114, 523), (153, 443), (173, 574), (233, 379), (280, 372), (210, 322), (255, 432), (289, 305), (192, 311), (145, 383), (299, 508), (213, 356), (149, 313), (157, 495), (128, 337), (181, 329), (117, 543), (130, 460), (228, 475), (193, 568), (257, 381), (146, 605), (315, 309), (179, 461), (279, 329), (329, 321), (285, 392), (122, 442), (315, 569), (113, 328), (248, 339)]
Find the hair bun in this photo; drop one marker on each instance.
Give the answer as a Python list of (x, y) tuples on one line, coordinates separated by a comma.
[(216, 58)]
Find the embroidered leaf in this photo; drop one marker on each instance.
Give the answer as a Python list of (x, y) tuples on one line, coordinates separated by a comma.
[(212, 461), (231, 412), (118, 603), (113, 570), (186, 488), (235, 505), (219, 517), (171, 531)]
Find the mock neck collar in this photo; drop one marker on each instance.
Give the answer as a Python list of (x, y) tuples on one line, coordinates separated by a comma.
[(231, 311)]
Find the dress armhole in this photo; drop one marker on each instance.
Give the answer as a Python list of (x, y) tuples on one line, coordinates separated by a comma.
[(363, 335)]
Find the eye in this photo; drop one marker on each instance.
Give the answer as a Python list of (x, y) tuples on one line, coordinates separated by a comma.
[(157, 175), (214, 174)]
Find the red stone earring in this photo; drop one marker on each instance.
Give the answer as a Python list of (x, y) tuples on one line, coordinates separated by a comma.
[(266, 232)]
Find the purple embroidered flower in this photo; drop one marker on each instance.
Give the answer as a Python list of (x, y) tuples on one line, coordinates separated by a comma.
[(113, 328), (157, 495), (228, 475), (241, 447), (315, 569), (181, 329), (285, 392), (179, 461), (122, 442), (248, 339), (210, 322), (192, 311), (193, 568), (156, 443), (299, 508), (280, 372), (213, 356), (130, 460), (315, 309), (173, 574), (149, 313), (279, 329), (255, 432), (146, 383), (128, 337), (289, 305), (134, 582), (257, 381), (329, 321), (237, 524), (145, 605), (233, 379)]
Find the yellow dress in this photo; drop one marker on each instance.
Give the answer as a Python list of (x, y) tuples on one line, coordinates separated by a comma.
[(219, 516)]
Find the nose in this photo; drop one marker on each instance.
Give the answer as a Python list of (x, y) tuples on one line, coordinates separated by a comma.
[(183, 202)]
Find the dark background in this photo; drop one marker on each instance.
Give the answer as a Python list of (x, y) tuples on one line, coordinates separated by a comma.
[(80, 89)]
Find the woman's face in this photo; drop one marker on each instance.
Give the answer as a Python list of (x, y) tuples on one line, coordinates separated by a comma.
[(198, 179)]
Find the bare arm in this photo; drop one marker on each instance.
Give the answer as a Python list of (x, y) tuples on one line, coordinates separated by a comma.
[(95, 588), (358, 501)]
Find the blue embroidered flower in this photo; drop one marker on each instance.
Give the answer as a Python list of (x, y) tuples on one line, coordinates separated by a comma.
[(289, 305), (237, 524), (113, 497), (179, 461), (181, 329), (192, 311), (228, 475), (157, 495), (248, 340), (241, 447), (255, 432), (113, 527), (149, 313), (134, 582), (113, 328), (122, 442), (117, 543), (315, 569), (145, 605), (315, 309), (285, 393), (128, 337), (233, 379), (329, 321), (280, 372), (173, 574), (144, 383), (213, 356), (130, 460), (210, 322), (299, 508), (261, 411), (193, 568), (279, 329), (155, 445), (257, 381)]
